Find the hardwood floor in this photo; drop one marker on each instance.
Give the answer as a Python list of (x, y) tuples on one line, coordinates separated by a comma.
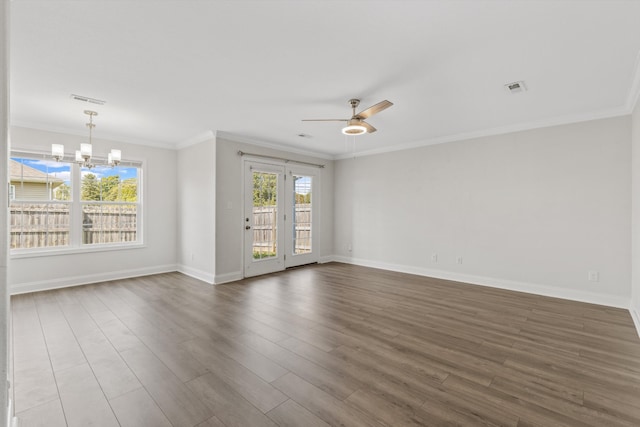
[(331, 344)]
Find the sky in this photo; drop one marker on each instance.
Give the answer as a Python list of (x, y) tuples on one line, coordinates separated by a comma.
[(62, 170), (303, 185)]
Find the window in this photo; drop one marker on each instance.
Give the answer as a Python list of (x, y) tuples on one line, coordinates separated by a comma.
[(109, 199), (60, 205), (39, 207)]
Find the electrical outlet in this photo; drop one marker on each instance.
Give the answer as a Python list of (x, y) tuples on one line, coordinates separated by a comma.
[(349, 248), (434, 258), (593, 276), (459, 260)]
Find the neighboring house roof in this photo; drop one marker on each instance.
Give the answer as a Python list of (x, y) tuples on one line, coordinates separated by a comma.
[(21, 172)]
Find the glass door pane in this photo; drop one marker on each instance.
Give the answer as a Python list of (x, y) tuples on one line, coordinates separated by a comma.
[(263, 223), (265, 215), (302, 214)]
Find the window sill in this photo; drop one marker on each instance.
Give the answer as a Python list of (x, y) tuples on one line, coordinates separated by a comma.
[(34, 253)]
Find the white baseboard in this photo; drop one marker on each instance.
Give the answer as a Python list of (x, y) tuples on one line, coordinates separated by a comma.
[(205, 276), (531, 288), (326, 259), (635, 315), (43, 285), (228, 277)]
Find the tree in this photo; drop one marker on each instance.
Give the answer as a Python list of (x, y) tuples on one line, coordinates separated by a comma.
[(303, 198), (62, 192), (109, 186), (90, 188), (264, 188), (129, 190)]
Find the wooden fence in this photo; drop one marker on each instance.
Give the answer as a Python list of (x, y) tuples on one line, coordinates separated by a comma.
[(264, 229), (37, 225)]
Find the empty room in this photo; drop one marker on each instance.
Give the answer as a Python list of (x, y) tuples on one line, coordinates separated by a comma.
[(320, 213)]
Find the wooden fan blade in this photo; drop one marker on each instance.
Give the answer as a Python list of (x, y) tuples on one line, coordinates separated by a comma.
[(374, 109), (370, 129), (325, 120)]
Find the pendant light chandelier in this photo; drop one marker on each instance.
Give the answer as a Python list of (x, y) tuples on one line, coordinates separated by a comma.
[(84, 154)]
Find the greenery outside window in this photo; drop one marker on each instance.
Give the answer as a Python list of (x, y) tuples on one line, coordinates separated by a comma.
[(63, 206), (39, 212), (109, 199)]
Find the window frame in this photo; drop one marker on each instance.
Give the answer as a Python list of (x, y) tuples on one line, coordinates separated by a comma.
[(76, 245)]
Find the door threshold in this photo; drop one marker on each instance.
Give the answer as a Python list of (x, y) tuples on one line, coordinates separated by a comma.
[(301, 265)]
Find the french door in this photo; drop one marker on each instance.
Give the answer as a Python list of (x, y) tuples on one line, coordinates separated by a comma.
[(280, 217)]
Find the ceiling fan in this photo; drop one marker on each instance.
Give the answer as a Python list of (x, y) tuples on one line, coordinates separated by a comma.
[(356, 124)]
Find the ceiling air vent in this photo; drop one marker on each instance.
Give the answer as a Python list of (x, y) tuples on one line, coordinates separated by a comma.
[(515, 87), (87, 99)]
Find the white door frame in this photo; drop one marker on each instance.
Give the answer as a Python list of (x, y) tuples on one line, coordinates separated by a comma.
[(251, 266), (285, 255), (292, 259)]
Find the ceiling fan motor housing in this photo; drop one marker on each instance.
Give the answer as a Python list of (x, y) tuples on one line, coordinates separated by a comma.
[(356, 125)]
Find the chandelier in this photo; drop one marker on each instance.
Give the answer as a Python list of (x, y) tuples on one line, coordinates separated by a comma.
[(85, 153)]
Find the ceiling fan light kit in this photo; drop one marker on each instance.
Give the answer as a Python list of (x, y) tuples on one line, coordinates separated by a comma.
[(356, 124), (354, 128)]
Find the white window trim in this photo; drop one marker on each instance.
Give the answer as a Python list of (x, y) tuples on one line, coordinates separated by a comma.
[(67, 250), (75, 224)]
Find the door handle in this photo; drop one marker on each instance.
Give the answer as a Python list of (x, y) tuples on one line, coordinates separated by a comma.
[(247, 227)]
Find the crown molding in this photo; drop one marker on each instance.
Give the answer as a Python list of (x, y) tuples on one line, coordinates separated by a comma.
[(196, 139), (271, 145), (630, 105), (557, 121), (103, 137)]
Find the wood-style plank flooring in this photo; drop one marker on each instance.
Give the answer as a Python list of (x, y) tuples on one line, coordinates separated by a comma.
[(330, 344)]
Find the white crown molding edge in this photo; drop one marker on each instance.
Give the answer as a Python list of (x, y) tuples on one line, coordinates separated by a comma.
[(43, 285), (559, 121), (632, 100), (102, 137), (271, 145), (196, 139), (511, 285)]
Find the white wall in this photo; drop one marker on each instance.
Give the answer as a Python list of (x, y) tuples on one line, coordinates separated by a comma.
[(5, 406), (159, 216), (532, 211), (229, 211), (635, 220), (196, 210)]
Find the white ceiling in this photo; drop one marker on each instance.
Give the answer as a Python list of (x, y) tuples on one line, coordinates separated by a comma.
[(173, 70)]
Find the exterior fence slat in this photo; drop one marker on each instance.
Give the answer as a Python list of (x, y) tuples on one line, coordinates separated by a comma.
[(35, 225), (47, 224), (264, 228)]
